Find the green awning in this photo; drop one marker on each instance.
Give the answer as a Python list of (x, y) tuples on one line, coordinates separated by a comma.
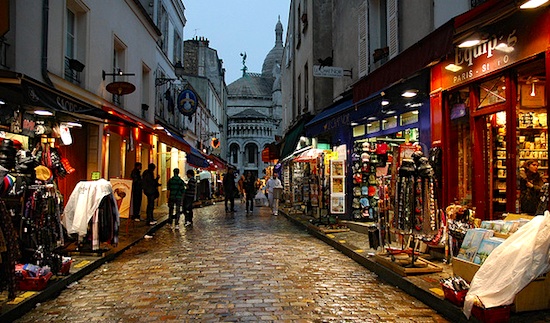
[(291, 139)]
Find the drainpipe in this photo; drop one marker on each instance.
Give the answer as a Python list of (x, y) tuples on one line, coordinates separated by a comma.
[(45, 11)]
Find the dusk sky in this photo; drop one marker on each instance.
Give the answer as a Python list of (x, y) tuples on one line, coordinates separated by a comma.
[(237, 26)]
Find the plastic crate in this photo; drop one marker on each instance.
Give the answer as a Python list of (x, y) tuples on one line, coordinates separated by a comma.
[(453, 296), (497, 314), (34, 283), (65, 268)]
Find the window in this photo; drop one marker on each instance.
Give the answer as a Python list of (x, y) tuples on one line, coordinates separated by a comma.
[(252, 153), (492, 92), (162, 21), (178, 44), (70, 35), (363, 41), (75, 41), (234, 153), (306, 88), (119, 64)]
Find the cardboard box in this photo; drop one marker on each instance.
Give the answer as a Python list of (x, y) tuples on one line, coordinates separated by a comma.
[(534, 297)]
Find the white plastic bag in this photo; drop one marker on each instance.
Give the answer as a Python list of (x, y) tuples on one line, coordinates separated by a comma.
[(260, 199), (512, 266)]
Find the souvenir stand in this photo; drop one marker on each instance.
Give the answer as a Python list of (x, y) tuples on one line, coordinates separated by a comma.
[(307, 177), (416, 217), (31, 233)]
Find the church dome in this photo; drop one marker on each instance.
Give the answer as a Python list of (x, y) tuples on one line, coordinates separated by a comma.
[(275, 55)]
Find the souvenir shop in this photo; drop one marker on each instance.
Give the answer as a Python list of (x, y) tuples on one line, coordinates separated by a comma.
[(42, 142), (491, 115), (305, 181)]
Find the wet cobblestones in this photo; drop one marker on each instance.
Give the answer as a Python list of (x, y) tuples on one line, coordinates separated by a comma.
[(232, 268)]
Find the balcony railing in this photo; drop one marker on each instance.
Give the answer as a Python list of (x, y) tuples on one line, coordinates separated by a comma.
[(71, 75)]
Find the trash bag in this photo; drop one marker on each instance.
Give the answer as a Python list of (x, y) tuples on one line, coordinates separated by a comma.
[(511, 266), (260, 199)]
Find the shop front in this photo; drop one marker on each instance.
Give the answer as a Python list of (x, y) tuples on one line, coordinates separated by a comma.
[(491, 117)]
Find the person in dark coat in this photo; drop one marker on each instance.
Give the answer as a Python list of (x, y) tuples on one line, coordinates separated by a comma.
[(189, 197), (150, 189), (137, 191), (176, 187), (250, 189), (230, 189)]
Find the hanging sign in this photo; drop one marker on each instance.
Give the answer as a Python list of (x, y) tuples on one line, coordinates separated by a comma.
[(187, 102)]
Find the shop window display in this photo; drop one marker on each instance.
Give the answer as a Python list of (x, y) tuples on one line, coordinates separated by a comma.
[(532, 140)]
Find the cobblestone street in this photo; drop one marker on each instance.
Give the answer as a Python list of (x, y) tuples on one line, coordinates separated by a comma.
[(232, 268)]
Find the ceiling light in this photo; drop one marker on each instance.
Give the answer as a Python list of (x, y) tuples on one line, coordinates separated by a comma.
[(414, 112), (453, 68), (469, 43), (353, 124), (372, 118), (390, 112), (503, 47), (409, 93), (73, 124), (385, 102), (43, 113), (530, 4), (158, 127), (2, 101)]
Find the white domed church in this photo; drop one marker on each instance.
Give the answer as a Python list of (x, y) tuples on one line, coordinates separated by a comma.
[(254, 111)]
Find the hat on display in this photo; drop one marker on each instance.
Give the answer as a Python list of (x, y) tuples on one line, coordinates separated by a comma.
[(355, 156), (365, 157), (355, 203), (357, 177), (372, 190), (365, 190), (356, 191), (364, 202), (43, 173)]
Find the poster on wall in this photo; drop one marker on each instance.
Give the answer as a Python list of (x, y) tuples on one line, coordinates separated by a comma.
[(122, 190)]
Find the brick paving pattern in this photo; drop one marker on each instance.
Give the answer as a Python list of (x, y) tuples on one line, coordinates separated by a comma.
[(232, 268)]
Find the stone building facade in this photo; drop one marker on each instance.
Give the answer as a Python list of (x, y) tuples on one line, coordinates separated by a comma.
[(254, 111)]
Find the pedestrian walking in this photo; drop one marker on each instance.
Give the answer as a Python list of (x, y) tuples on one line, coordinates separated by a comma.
[(150, 189), (137, 192), (273, 183), (189, 197), (250, 188), (176, 188), (230, 190)]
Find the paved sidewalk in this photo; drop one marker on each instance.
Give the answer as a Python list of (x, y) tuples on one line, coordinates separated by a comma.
[(353, 243)]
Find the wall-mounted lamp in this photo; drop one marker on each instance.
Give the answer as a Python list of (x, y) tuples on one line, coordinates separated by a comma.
[(384, 102), (409, 93), (178, 70), (533, 89), (117, 73), (531, 4), (43, 113)]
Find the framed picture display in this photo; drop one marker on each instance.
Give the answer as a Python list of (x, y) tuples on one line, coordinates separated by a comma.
[(337, 187), (337, 168), (337, 204)]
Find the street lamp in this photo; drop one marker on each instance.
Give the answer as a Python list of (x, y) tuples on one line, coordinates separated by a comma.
[(178, 70)]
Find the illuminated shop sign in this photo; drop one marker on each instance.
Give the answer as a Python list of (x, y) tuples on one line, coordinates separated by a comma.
[(511, 40)]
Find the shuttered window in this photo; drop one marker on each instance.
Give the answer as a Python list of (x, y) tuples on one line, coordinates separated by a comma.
[(363, 40), (393, 28)]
